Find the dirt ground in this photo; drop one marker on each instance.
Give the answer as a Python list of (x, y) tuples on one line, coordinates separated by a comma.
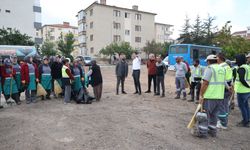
[(123, 122)]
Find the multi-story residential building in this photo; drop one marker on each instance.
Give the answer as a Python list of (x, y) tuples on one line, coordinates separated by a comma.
[(99, 25), (23, 15), (53, 32), (163, 32), (245, 34)]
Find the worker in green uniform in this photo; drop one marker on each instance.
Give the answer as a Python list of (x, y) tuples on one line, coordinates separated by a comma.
[(17, 69), (45, 76), (77, 84), (9, 84)]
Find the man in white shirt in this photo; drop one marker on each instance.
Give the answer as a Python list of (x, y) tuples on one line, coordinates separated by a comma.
[(136, 66)]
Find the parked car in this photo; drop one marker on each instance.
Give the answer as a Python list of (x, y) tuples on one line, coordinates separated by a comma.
[(87, 59)]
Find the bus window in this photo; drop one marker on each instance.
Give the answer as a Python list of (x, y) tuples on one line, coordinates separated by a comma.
[(208, 51), (202, 53), (195, 54), (172, 50), (178, 50)]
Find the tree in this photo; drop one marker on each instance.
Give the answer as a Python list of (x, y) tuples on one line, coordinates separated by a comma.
[(153, 47), (48, 48), (14, 37), (113, 48), (209, 30), (197, 34), (231, 45), (66, 45), (185, 36)]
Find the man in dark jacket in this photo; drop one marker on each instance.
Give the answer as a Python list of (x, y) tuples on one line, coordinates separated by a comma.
[(121, 73), (56, 71)]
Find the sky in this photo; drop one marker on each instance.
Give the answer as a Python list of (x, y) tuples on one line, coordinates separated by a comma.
[(168, 11)]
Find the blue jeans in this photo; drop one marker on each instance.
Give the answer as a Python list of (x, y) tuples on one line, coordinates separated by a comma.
[(244, 106)]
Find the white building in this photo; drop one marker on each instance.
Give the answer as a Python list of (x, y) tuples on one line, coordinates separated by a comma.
[(23, 15), (163, 32), (99, 25), (245, 34), (53, 32)]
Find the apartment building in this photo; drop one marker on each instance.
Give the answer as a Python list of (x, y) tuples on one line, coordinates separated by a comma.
[(245, 34), (23, 15), (163, 32), (101, 24), (53, 32)]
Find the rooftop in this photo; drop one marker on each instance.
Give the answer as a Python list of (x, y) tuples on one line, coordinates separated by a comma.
[(64, 25), (115, 7)]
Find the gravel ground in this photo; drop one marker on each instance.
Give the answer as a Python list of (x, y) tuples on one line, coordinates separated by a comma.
[(129, 122)]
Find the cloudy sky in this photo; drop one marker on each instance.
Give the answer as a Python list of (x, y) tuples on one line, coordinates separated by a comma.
[(169, 11)]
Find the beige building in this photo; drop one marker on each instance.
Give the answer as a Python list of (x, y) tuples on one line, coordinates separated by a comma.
[(53, 33), (163, 32), (100, 24), (245, 34), (23, 15)]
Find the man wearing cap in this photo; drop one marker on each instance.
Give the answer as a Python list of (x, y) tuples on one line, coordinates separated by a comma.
[(17, 69), (9, 84), (181, 70), (45, 76), (223, 115), (212, 92)]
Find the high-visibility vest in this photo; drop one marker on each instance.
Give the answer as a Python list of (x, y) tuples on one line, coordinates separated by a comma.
[(239, 87), (64, 73), (197, 72), (216, 86), (229, 71)]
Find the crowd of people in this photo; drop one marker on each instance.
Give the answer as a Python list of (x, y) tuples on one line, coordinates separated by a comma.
[(213, 86), (18, 76)]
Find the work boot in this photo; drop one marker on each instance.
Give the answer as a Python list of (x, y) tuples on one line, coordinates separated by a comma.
[(156, 94), (148, 91), (123, 92), (191, 100)]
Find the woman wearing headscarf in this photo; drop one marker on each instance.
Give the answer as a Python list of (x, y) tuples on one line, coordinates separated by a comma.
[(77, 84), (96, 80), (9, 84), (17, 69), (29, 77), (45, 76), (1, 65)]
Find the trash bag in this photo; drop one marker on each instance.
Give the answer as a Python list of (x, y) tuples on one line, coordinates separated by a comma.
[(40, 90), (57, 88)]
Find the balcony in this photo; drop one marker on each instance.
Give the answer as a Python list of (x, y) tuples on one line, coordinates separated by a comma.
[(83, 20)]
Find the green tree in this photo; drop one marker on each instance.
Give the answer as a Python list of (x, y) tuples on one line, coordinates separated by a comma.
[(209, 30), (197, 34), (14, 37), (113, 48), (66, 45), (153, 47), (48, 48), (185, 36), (231, 45)]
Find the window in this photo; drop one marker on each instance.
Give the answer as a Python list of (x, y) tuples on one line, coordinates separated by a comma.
[(91, 12), (137, 28), (9, 28), (138, 16), (7, 11), (117, 25), (91, 25), (91, 37), (117, 13), (178, 50), (92, 50), (52, 29), (127, 32), (127, 15), (138, 39), (117, 38)]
